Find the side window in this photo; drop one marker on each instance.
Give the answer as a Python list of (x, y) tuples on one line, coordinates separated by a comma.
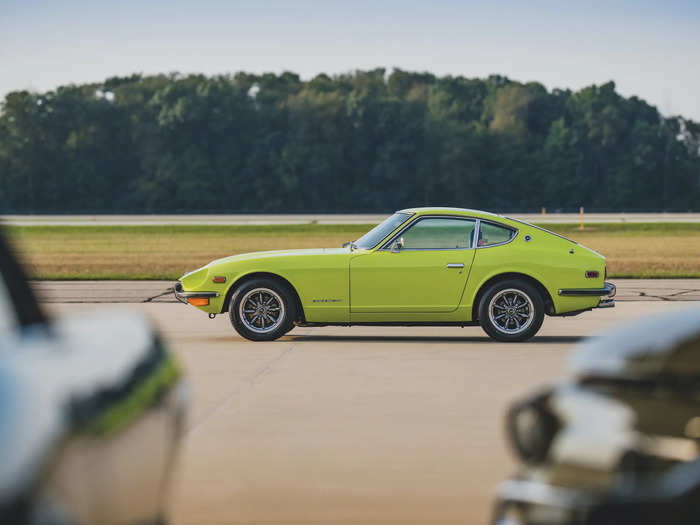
[(490, 234), (439, 234)]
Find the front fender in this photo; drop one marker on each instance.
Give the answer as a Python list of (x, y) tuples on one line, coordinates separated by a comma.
[(320, 280)]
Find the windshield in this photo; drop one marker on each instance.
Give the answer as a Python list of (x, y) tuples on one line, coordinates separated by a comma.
[(381, 230)]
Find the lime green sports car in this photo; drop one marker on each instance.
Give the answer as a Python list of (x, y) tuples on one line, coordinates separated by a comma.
[(421, 266)]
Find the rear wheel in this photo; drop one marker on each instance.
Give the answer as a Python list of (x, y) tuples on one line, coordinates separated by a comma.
[(262, 310), (511, 310)]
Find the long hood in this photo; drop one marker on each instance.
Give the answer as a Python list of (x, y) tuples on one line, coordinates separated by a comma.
[(280, 253), (195, 279)]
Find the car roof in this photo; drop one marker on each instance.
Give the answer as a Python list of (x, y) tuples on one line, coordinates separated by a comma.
[(479, 214), (437, 210)]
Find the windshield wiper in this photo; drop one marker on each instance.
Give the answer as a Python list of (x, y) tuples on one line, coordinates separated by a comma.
[(352, 245)]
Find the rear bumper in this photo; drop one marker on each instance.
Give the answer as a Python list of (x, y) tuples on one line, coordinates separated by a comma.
[(608, 290), (182, 296)]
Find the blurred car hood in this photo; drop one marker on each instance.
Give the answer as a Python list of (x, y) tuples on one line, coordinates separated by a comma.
[(665, 346), (73, 376)]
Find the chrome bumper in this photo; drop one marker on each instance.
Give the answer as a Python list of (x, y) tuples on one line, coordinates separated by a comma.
[(669, 498), (182, 296), (606, 303), (609, 290), (517, 498)]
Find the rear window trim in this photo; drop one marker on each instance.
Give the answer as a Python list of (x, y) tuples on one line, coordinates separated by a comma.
[(512, 229)]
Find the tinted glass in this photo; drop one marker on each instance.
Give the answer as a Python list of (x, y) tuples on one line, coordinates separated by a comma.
[(491, 234), (380, 231), (435, 234)]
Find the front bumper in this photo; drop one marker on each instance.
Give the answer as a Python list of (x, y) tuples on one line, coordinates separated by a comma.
[(182, 296), (521, 501), (608, 290), (668, 498)]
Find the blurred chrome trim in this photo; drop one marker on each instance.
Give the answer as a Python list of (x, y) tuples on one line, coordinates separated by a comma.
[(522, 491)]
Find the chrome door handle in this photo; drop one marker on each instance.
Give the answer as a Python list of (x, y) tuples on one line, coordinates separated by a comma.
[(455, 265)]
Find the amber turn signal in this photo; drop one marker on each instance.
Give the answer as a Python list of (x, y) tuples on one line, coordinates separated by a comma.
[(591, 274), (198, 301), (219, 279)]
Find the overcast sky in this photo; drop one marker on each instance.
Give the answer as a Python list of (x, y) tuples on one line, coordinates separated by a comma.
[(650, 49)]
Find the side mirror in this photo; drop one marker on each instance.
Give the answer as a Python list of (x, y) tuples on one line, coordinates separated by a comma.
[(397, 245)]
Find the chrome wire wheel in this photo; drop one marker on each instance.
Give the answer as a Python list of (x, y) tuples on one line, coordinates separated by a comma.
[(511, 311), (261, 310)]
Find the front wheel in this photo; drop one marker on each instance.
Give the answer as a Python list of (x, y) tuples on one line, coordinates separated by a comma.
[(262, 310), (511, 310)]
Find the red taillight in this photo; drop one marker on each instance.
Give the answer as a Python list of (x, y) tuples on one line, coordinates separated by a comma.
[(592, 274)]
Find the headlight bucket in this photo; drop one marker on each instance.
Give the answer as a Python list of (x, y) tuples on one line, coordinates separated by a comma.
[(531, 428)]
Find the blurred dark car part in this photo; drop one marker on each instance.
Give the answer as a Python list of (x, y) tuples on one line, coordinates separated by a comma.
[(91, 414), (618, 442)]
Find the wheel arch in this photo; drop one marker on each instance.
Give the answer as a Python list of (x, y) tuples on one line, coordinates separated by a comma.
[(544, 293), (263, 275)]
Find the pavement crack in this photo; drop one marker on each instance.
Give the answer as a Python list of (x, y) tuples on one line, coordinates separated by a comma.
[(248, 384), (683, 292), (660, 297)]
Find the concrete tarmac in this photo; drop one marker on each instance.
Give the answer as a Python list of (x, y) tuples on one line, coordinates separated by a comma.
[(361, 425)]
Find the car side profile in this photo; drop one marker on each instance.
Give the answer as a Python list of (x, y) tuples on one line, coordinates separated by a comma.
[(420, 266)]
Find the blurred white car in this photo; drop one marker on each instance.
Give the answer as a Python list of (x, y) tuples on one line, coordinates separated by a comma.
[(619, 441), (91, 414)]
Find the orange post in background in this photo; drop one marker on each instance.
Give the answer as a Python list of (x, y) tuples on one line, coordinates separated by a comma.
[(581, 212)]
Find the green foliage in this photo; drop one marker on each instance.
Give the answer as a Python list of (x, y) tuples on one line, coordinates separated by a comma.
[(367, 141)]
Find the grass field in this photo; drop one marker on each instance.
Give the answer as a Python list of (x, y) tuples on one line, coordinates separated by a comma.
[(656, 250)]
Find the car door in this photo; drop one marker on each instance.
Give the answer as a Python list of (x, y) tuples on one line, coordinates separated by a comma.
[(425, 271)]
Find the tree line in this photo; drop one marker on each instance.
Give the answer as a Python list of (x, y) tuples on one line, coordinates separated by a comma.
[(366, 141)]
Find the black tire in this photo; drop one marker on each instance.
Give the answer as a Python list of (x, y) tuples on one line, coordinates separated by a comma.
[(521, 320), (263, 292)]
